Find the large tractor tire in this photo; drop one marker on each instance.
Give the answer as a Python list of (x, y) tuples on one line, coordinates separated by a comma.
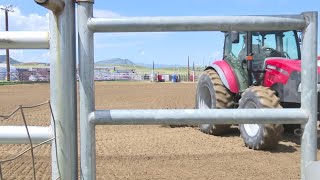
[(260, 136), (212, 94)]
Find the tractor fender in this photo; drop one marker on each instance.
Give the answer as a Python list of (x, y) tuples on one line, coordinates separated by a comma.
[(226, 75)]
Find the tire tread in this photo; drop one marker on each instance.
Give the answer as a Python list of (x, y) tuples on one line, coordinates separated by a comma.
[(272, 132), (224, 99)]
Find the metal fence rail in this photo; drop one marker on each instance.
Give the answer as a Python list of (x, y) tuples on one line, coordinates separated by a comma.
[(89, 117), (24, 40), (18, 134), (195, 23), (195, 117)]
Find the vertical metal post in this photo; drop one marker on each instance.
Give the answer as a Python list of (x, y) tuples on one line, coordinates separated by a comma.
[(54, 162), (63, 88), (309, 91), (7, 50), (86, 87)]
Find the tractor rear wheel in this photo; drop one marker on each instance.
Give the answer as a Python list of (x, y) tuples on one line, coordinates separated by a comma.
[(260, 136), (212, 94)]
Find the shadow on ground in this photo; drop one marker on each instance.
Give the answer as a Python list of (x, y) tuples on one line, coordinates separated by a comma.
[(291, 142), (297, 139)]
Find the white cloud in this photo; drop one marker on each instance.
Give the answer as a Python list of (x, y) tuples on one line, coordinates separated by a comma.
[(105, 13), (141, 53), (19, 21), (26, 22)]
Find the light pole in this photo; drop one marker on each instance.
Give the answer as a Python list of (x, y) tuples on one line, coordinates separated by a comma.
[(6, 10), (188, 74)]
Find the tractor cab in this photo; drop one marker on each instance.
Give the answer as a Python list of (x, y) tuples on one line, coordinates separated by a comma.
[(249, 51)]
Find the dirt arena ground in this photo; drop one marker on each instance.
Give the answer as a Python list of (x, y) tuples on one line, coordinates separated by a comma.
[(148, 152)]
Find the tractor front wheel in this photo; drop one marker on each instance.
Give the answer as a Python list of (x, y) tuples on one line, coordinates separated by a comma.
[(260, 136)]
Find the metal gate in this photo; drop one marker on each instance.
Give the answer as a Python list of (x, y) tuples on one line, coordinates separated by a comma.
[(63, 81)]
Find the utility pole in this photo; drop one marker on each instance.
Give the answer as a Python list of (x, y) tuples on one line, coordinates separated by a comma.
[(152, 65), (193, 68), (193, 72), (152, 75), (7, 9), (188, 70)]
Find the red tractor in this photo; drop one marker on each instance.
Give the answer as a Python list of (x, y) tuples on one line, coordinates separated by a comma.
[(258, 70)]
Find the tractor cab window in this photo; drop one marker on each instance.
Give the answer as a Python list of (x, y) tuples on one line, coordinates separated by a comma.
[(275, 44), (265, 45), (239, 50), (260, 41), (290, 46)]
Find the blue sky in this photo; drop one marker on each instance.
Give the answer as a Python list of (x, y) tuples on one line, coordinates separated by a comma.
[(163, 48)]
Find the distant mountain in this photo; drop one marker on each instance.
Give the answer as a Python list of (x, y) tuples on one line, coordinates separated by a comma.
[(116, 61), (120, 61), (12, 61), (162, 65)]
